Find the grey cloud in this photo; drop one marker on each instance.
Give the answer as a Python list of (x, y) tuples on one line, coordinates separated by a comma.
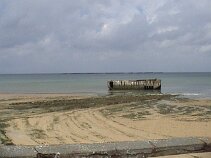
[(114, 35)]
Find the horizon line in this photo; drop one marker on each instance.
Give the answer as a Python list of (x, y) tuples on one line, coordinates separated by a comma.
[(141, 72)]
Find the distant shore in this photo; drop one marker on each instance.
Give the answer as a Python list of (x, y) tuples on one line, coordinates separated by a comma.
[(50, 118)]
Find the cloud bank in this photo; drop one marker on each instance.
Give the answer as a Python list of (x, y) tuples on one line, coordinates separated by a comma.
[(104, 36)]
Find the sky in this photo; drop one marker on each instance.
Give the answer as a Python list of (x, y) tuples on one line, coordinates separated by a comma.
[(69, 36)]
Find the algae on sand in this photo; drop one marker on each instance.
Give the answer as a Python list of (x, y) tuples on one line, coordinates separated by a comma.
[(3, 138)]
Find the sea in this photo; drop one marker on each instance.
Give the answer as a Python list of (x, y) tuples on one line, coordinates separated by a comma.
[(188, 84)]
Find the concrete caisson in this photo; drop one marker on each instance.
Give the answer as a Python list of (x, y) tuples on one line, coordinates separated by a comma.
[(147, 84)]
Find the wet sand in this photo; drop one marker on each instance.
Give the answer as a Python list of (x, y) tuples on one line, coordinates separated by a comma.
[(73, 118)]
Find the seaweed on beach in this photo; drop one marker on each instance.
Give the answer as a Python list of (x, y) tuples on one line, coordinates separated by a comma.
[(135, 110), (38, 134), (189, 111), (72, 104), (3, 138), (166, 109), (137, 115)]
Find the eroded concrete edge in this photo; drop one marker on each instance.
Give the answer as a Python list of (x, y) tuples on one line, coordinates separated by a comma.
[(119, 149)]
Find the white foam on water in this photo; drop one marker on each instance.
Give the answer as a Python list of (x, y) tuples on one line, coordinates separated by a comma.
[(187, 94), (191, 94)]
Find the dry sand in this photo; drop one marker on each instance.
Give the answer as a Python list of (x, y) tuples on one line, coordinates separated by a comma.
[(121, 122)]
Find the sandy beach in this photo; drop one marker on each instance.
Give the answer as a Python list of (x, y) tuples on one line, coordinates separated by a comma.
[(31, 119)]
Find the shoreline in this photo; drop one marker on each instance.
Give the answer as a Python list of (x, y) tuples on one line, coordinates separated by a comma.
[(44, 95), (154, 92), (47, 93)]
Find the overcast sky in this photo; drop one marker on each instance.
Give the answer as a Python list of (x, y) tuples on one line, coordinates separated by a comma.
[(38, 36)]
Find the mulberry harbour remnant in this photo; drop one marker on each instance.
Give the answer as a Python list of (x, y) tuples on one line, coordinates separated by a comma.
[(147, 84)]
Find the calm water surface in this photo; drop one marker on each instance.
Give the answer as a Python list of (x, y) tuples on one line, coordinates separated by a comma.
[(187, 84)]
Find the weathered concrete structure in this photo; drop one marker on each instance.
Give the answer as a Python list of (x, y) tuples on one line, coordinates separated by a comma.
[(131, 149), (151, 84)]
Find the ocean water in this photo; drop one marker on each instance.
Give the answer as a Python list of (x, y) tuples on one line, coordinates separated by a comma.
[(185, 84)]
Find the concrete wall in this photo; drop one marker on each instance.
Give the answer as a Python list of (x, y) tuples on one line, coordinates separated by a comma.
[(131, 149)]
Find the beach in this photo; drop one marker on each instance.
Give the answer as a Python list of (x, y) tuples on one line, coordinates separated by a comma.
[(32, 119)]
